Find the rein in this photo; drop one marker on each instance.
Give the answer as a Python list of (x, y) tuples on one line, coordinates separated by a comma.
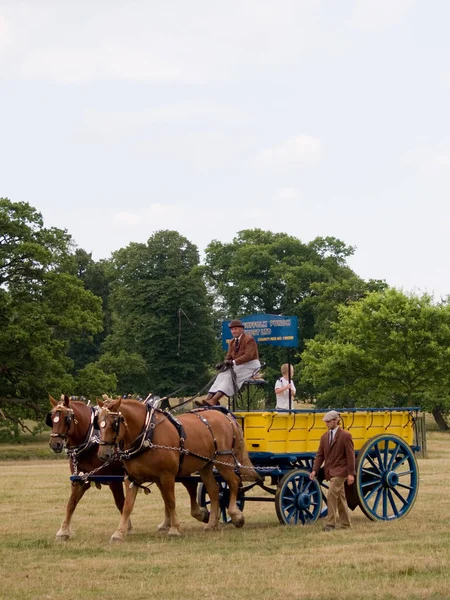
[(177, 408)]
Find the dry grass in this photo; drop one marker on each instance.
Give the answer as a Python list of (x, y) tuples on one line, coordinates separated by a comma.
[(406, 559)]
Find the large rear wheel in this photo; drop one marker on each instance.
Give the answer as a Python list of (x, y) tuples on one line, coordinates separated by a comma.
[(387, 478)]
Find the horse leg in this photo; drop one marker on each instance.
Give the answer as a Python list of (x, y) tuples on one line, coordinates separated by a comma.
[(116, 488), (165, 525), (167, 487), (77, 493), (206, 473), (233, 482), (130, 498), (198, 512)]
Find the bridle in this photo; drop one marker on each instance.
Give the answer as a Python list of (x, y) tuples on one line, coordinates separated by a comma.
[(115, 425), (69, 418)]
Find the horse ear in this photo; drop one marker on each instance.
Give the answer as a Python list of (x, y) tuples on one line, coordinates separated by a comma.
[(100, 402), (66, 400), (53, 401)]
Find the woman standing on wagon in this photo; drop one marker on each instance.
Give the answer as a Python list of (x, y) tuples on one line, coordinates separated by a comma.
[(241, 362)]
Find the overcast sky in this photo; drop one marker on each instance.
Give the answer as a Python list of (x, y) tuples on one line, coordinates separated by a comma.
[(310, 117)]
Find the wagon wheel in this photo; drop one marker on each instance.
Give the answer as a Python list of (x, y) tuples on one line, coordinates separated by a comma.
[(307, 464), (298, 500), (386, 478), (224, 499)]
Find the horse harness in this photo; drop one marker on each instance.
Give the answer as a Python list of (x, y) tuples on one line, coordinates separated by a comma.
[(144, 441), (90, 440)]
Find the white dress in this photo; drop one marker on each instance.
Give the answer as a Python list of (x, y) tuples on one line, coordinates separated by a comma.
[(283, 397)]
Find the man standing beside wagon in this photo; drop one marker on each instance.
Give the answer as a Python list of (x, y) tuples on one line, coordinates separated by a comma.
[(337, 452)]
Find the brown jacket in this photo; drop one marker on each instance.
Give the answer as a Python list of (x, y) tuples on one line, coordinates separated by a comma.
[(248, 350), (339, 458)]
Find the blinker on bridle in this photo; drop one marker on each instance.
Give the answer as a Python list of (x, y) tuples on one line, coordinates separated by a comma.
[(54, 417), (115, 425)]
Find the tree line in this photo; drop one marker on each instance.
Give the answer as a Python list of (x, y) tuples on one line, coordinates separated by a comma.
[(148, 320)]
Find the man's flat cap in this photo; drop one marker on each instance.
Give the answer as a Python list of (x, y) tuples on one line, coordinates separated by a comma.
[(332, 414)]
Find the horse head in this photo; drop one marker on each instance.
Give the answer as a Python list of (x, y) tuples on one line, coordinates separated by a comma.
[(68, 422), (112, 427)]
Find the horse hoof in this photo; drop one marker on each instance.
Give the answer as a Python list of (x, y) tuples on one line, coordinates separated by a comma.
[(202, 515), (116, 538), (210, 528), (163, 527), (173, 531), (62, 538), (205, 516), (239, 521)]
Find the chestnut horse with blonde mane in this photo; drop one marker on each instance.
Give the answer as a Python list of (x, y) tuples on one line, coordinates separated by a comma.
[(72, 424), (155, 447)]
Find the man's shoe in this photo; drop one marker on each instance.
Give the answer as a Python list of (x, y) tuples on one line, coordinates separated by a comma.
[(199, 403)]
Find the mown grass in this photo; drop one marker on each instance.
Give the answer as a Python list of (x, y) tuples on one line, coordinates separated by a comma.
[(405, 559)]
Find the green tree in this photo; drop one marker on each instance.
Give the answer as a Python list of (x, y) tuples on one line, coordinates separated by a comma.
[(388, 349), (93, 381), (95, 277), (43, 309), (274, 273), (162, 313)]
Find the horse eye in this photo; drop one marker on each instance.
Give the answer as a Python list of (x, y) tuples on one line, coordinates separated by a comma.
[(56, 419), (103, 424)]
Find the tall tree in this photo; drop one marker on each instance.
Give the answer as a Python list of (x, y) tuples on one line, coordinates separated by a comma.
[(162, 313), (95, 277), (43, 309), (274, 273), (388, 349)]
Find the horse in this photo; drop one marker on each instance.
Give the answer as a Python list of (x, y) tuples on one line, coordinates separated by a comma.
[(74, 427), (72, 424), (156, 447)]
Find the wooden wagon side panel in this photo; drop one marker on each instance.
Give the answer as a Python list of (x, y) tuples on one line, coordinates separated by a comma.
[(299, 432)]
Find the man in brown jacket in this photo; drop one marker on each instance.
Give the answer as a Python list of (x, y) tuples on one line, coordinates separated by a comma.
[(241, 362), (337, 452)]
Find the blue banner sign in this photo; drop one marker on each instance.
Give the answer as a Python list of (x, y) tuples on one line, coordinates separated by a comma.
[(275, 330)]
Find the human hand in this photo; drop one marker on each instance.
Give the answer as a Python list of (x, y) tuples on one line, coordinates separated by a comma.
[(312, 475), (350, 479), (219, 366), (228, 363)]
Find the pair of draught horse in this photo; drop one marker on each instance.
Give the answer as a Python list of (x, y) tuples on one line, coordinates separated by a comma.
[(125, 425), (156, 448)]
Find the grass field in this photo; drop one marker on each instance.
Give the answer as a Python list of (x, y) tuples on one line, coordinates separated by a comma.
[(407, 559)]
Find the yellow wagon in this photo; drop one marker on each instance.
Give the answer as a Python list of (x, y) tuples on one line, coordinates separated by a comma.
[(283, 445)]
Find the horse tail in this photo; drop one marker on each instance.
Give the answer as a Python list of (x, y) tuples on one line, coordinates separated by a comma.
[(247, 472)]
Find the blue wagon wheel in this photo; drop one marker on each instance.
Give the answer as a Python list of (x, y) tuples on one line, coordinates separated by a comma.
[(298, 499), (386, 478), (204, 501)]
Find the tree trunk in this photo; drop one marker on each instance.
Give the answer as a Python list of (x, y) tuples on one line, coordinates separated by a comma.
[(439, 418)]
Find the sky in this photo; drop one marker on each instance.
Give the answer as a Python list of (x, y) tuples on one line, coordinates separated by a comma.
[(309, 117)]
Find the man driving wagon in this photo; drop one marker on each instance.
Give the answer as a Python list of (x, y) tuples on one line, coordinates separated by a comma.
[(241, 363)]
